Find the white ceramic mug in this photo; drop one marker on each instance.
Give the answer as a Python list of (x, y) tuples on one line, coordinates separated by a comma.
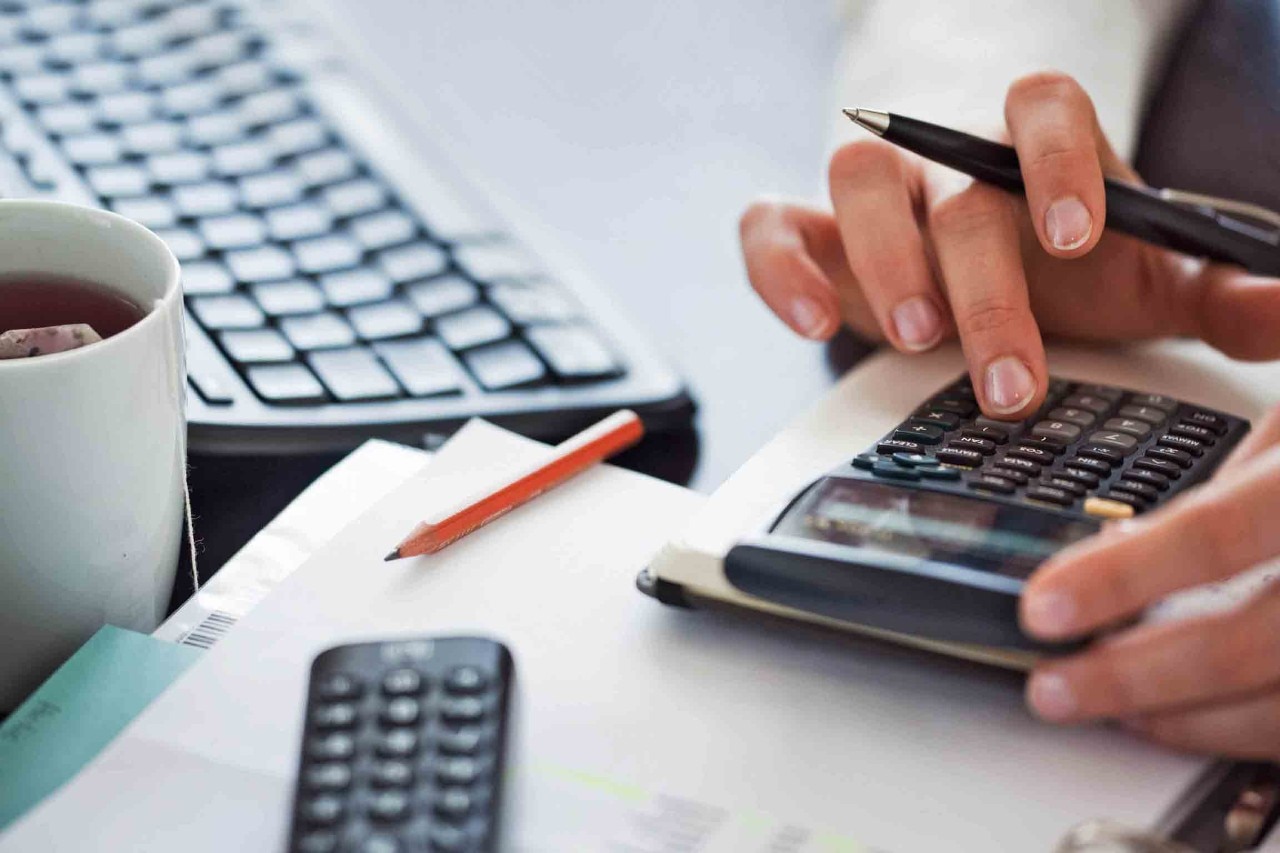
[(92, 448)]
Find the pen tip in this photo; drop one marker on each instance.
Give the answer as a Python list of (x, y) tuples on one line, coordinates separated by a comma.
[(876, 121), (852, 114), (394, 555)]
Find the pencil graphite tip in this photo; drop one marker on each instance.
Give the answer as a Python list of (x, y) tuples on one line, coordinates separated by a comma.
[(394, 555)]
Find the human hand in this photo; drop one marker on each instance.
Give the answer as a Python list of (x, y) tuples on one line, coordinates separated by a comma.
[(1206, 684), (916, 253)]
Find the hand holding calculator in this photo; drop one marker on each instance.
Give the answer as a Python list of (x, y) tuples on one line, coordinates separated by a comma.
[(934, 530)]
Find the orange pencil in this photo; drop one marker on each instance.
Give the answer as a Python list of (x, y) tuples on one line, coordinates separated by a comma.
[(572, 456)]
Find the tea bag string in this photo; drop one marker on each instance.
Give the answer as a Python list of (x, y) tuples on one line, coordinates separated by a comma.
[(191, 523)]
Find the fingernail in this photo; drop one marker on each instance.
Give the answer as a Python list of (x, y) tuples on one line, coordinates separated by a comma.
[(807, 317), (918, 324), (1051, 696), (1009, 385), (1068, 223), (1049, 613)]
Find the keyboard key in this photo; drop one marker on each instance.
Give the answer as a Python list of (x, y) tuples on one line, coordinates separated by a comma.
[(222, 48), (258, 346), (1100, 466), (296, 137), (892, 471), (101, 78), (1044, 442), (472, 328), (992, 483), (1078, 475), (1137, 502), (1148, 414), (127, 108), (184, 22), (962, 407), (956, 456), (1108, 509), (215, 128), (299, 221), (529, 304), (212, 198), (51, 19), (418, 260), (237, 231), (946, 420), (353, 374), (354, 197), (273, 189), (113, 181), (34, 89), (91, 149), (244, 78), (166, 68), (505, 365), (1181, 442), (1208, 420), (575, 352), (1088, 402), (289, 384), (891, 446), (265, 263), (379, 230), (1031, 454), (156, 137), (296, 296), (1066, 484), (920, 433), (1162, 402), (208, 386), (354, 287), (151, 211), (181, 167), (494, 262), (1050, 494), (270, 107), (322, 254), (443, 295), (75, 48), (1159, 482), (392, 319), (1101, 453), (989, 433), (1112, 438), (19, 59), (227, 312), (326, 167), (1013, 474), (965, 442), (1079, 417), (187, 99), (242, 158), (66, 118), (204, 278), (1062, 431), (318, 331), (1013, 463), (1129, 426), (185, 244), (423, 366)]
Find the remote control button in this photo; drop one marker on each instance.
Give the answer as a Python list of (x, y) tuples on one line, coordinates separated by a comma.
[(1180, 442), (1044, 442), (401, 711), (1170, 454), (1079, 417), (453, 803), (468, 679), (1202, 434), (1102, 453), (1050, 494), (449, 839), (389, 806), (402, 682), (1056, 430), (380, 843), (327, 777), (1155, 401), (1161, 466), (1142, 490), (1066, 484), (1103, 508), (1150, 478), (464, 741), (339, 685), (1128, 426), (466, 709), (335, 747), (323, 810), (1079, 475), (1149, 414), (1111, 438), (920, 433), (956, 456), (319, 841), (1088, 402), (990, 433), (946, 420), (1106, 392), (894, 471), (458, 771), (1101, 467), (391, 774), (1000, 469), (992, 483), (1031, 454), (399, 743), (337, 716), (1217, 423), (981, 445), (937, 472), (865, 461), (890, 446), (1139, 504)]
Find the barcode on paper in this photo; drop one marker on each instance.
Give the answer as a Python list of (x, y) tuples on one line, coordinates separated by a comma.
[(210, 630)]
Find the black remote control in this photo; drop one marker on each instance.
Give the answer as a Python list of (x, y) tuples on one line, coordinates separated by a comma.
[(404, 747)]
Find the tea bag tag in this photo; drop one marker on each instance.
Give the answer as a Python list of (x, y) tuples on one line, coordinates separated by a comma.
[(28, 343)]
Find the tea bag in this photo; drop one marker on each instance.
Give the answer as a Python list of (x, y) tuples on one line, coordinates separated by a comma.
[(27, 343)]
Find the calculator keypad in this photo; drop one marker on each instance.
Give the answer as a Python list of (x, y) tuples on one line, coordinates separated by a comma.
[(1092, 449)]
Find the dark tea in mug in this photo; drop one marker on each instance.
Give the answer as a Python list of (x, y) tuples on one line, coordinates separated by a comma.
[(34, 300)]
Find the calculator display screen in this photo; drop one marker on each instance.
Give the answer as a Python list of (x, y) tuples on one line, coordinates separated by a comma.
[(972, 532)]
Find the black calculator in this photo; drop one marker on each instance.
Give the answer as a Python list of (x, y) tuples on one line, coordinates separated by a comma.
[(403, 747), (933, 531)]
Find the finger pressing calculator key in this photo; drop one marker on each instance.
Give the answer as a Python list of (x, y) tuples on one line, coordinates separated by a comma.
[(404, 747)]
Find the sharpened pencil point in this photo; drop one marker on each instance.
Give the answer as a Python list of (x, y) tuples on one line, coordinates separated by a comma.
[(394, 555)]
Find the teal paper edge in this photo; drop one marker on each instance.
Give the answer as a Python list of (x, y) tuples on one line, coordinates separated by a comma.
[(79, 710)]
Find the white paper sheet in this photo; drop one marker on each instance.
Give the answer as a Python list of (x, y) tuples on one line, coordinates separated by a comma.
[(637, 726)]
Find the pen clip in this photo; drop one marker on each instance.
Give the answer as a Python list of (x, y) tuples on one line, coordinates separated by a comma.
[(1237, 209)]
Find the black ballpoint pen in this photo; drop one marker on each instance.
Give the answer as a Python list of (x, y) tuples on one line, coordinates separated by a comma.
[(1192, 224)]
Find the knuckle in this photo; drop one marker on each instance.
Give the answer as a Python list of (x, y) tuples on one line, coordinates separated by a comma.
[(986, 315), (864, 157), (1117, 690), (974, 210), (1047, 85)]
